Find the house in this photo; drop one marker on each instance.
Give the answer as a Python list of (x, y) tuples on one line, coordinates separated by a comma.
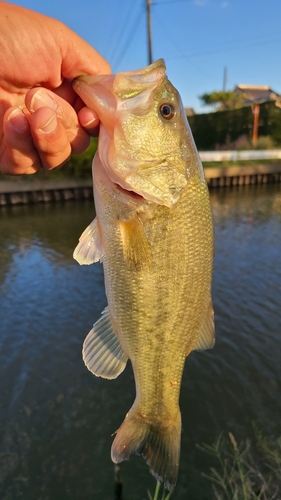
[(189, 111), (256, 94)]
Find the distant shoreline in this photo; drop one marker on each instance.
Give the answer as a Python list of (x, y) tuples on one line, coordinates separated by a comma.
[(19, 190)]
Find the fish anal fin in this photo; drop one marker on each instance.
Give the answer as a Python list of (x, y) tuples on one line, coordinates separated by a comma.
[(136, 249), (102, 352), (159, 447), (206, 335), (89, 248)]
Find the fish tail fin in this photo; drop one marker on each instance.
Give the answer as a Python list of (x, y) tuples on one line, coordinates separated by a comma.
[(159, 445)]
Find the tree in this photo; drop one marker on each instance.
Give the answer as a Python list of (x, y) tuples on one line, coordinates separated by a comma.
[(222, 100)]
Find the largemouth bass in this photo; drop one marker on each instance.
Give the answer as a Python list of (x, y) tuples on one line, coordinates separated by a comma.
[(153, 232)]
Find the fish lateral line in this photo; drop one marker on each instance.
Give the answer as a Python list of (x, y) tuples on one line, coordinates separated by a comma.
[(153, 232)]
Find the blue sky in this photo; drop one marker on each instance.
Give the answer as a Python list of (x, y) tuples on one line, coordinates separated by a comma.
[(197, 38)]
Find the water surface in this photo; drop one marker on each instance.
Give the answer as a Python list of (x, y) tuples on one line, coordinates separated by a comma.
[(56, 418)]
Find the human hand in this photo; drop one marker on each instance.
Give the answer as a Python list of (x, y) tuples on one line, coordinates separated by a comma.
[(42, 120)]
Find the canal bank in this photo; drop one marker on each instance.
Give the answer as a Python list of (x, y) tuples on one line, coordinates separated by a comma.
[(19, 191), (239, 175)]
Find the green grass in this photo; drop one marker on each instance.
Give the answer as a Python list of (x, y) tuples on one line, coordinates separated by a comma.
[(157, 493), (245, 471), (239, 471)]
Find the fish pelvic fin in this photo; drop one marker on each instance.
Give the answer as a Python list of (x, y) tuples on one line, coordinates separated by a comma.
[(159, 446), (102, 352), (89, 248)]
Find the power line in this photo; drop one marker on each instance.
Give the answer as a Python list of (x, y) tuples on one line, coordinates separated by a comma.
[(224, 48), (129, 38), (122, 33), (168, 34), (170, 1)]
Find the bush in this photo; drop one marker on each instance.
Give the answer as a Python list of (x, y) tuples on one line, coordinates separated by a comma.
[(224, 128), (80, 166), (265, 142)]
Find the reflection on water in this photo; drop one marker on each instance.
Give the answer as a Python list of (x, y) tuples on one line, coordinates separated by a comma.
[(56, 419)]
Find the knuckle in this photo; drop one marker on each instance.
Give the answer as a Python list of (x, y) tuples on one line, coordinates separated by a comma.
[(16, 163)]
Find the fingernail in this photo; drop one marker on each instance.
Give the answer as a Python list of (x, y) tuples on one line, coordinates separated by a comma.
[(18, 120), (42, 99), (91, 122), (50, 125), (88, 118)]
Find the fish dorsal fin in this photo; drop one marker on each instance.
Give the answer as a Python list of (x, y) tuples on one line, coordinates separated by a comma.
[(206, 335), (89, 248), (136, 249), (102, 352)]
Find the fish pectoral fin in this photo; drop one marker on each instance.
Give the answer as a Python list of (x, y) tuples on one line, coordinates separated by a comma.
[(136, 249), (206, 335), (102, 352), (89, 248)]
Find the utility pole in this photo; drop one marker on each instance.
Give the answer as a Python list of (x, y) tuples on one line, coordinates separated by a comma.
[(224, 79), (256, 113), (149, 37)]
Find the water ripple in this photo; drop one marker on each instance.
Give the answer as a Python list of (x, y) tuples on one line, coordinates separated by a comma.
[(57, 419)]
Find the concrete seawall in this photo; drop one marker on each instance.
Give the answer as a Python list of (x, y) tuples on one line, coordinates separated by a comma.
[(42, 191), (20, 191), (242, 175)]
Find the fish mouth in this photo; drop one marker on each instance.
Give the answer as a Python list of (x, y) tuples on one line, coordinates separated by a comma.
[(128, 192)]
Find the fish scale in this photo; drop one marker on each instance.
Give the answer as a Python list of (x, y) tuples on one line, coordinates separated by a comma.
[(153, 233)]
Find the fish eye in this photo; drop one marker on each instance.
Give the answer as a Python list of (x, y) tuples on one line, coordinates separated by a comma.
[(167, 111)]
